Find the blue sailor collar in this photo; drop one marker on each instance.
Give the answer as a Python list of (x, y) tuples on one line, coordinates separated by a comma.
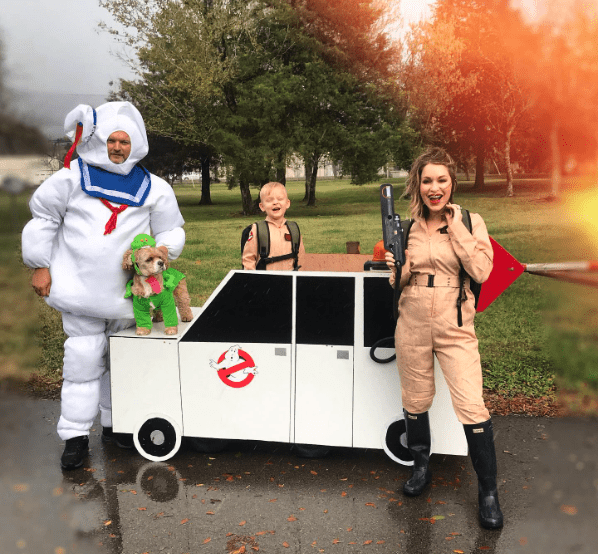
[(131, 189)]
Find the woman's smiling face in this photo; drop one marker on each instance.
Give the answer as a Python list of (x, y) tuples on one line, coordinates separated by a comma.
[(435, 187)]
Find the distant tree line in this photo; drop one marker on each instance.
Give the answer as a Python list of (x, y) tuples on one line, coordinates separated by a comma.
[(247, 85)]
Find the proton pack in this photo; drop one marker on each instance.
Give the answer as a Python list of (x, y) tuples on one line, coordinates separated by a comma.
[(263, 244)]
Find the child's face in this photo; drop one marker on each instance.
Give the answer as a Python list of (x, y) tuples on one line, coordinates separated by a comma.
[(276, 203)]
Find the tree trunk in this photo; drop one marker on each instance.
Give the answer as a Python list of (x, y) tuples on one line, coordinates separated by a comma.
[(311, 189), (246, 197), (466, 171), (479, 167), (508, 163), (555, 154), (281, 168), (206, 197), (308, 168)]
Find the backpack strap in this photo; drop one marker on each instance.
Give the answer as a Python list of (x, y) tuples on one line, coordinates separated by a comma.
[(463, 275), (263, 245), (406, 225), (295, 241)]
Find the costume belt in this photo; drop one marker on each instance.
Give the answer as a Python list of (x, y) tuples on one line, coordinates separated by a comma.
[(422, 280)]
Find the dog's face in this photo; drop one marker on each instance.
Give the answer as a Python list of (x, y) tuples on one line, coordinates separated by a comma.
[(151, 261)]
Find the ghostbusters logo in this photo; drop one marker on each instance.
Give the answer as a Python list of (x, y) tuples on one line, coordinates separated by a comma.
[(235, 367)]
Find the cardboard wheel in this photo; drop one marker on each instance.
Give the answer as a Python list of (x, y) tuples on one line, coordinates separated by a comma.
[(158, 438), (311, 450), (207, 446), (394, 442)]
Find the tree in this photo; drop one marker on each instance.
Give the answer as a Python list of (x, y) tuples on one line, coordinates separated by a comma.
[(233, 76), (463, 65)]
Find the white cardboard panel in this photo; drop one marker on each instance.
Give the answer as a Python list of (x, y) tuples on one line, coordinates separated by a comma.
[(259, 410), (324, 395)]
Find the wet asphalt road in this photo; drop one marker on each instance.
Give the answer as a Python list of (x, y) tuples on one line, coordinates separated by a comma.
[(260, 497)]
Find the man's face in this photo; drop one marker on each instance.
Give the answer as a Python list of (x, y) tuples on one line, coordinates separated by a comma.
[(119, 147)]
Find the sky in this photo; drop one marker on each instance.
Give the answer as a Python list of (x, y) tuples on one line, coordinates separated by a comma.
[(55, 57)]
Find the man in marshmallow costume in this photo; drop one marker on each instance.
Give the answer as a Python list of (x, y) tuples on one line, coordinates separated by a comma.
[(84, 218)]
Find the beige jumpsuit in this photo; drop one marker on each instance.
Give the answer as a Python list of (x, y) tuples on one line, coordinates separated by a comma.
[(280, 244), (427, 323)]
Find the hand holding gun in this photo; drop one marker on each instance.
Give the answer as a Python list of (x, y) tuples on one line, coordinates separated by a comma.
[(392, 234)]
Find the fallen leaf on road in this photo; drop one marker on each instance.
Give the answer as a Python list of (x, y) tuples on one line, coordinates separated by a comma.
[(291, 518), (206, 541), (569, 510), (183, 521), (285, 544)]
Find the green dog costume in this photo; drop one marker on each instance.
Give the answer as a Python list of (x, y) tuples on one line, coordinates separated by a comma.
[(163, 296)]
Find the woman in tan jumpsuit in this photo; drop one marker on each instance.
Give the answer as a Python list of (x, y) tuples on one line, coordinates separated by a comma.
[(438, 244)]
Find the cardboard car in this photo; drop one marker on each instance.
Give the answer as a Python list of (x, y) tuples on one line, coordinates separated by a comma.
[(274, 356)]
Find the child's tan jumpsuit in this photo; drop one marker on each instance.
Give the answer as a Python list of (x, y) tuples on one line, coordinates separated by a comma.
[(280, 244), (428, 325)]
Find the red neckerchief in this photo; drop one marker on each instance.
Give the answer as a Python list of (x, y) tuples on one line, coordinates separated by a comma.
[(111, 225)]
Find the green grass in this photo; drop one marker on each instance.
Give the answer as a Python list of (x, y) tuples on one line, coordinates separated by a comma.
[(538, 333)]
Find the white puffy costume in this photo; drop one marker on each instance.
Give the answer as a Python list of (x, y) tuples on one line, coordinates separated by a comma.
[(69, 235)]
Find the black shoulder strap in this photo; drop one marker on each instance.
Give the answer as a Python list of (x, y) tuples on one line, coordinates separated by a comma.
[(475, 287), (263, 243), (406, 225), (295, 241), (466, 219)]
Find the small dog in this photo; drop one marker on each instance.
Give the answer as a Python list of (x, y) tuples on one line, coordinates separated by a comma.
[(155, 283)]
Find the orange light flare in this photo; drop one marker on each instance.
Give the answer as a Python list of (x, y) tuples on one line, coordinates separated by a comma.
[(580, 209)]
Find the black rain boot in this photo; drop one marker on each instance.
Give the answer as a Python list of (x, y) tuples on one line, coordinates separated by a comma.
[(418, 443), (480, 438)]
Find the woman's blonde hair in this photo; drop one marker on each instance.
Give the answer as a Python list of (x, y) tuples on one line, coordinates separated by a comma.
[(436, 156)]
